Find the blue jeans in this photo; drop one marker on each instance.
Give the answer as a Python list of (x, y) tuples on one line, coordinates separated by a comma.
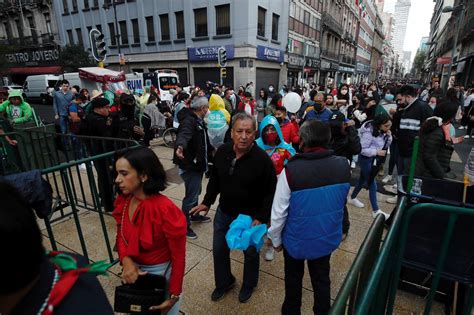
[(77, 146), (403, 165), (192, 186), (221, 253), (365, 168), (63, 122)]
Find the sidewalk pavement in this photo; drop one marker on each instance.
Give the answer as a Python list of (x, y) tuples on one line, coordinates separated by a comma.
[(199, 278)]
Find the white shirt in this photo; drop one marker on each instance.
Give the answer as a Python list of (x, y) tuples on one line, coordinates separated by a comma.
[(281, 203)]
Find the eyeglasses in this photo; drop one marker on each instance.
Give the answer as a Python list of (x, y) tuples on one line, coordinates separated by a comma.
[(232, 166)]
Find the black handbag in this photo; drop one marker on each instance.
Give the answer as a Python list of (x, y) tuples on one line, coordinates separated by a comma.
[(148, 290)]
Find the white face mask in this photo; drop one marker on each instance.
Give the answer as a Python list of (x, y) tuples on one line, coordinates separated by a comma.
[(369, 94), (343, 92), (270, 89), (432, 105)]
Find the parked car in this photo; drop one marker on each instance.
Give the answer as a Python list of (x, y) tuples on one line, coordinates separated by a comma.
[(40, 87)]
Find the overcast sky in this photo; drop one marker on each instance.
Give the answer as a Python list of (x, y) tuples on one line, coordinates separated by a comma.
[(418, 22)]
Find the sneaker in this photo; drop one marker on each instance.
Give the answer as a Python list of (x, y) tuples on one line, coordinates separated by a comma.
[(353, 164), (191, 235), (392, 200), (391, 188), (355, 202), (82, 167), (461, 127), (467, 136), (387, 179), (270, 254), (218, 294), (245, 294), (200, 218), (376, 213)]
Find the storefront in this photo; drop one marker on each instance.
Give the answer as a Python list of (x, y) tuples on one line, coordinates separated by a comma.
[(203, 62), (346, 74), (295, 70), (30, 61), (268, 68), (362, 71)]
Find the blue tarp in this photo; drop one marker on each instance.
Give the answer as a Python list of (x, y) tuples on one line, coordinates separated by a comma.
[(242, 234)]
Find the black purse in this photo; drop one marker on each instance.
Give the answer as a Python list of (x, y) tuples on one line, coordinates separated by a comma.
[(148, 290)]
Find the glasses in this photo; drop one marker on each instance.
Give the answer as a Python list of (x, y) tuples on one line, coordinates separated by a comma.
[(232, 166)]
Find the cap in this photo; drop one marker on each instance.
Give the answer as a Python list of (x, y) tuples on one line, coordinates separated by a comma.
[(99, 102)]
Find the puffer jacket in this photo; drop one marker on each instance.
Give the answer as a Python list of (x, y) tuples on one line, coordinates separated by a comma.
[(370, 144)]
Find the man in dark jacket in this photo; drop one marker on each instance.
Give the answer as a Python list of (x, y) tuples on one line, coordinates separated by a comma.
[(413, 114), (128, 124), (192, 154), (245, 178), (307, 214)]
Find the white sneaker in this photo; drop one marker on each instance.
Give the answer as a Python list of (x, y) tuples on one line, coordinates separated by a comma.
[(467, 136), (270, 254), (82, 167), (376, 213), (387, 179), (392, 200), (355, 202), (353, 164), (391, 188), (461, 127)]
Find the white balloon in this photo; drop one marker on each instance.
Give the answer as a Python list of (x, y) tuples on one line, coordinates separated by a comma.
[(292, 102)]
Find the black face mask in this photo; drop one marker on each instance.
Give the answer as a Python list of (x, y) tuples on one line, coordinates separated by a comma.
[(279, 119), (128, 111), (318, 107)]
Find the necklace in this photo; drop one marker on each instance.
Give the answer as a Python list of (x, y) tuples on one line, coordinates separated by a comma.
[(46, 301)]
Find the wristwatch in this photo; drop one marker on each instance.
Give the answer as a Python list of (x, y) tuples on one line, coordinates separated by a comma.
[(174, 298)]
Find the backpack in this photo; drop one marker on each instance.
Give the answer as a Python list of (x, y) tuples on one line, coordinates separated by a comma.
[(75, 127)]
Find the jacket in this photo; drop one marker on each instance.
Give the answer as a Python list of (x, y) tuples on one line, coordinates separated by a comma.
[(370, 144), (290, 131), (434, 155), (319, 183), (411, 119), (17, 114), (345, 141), (192, 137), (61, 101)]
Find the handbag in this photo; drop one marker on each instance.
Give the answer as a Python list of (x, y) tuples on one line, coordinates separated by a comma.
[(148, 290)]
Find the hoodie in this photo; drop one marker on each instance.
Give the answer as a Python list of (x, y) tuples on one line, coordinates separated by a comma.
[(17, 114), (282, 152)]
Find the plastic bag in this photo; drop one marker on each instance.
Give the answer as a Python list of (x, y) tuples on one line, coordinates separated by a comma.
[(242, 234)]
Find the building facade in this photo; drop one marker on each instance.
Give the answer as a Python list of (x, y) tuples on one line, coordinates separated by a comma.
[(365, 42), (304, 47), (331, 41), (402, 10), (376, 63), (29, 32), (184, 36), (350, 27)]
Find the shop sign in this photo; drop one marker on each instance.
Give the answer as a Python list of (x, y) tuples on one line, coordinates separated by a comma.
[(270, 54), (34, 57), (334, 66), (443, 60), (325, 65), (363, 68), (346, 69), (299, 61), (209, 53)]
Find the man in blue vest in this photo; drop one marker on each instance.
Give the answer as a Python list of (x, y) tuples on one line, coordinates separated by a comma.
[(307, 214)]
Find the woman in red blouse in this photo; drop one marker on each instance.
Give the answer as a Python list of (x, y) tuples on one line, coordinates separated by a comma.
[(151, 230)]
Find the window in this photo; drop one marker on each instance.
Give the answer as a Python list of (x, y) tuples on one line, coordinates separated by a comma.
[(65, 7), (96, 3), (275, 20), (136, 31), (179, 24), (79, 36), (19, 28), (165, 27), (31, 25), (89, 29), (86, 4), (223, 19), (113, 38), (74, 5), (99, 28), (261, 21), (200, 22), (47, 20), (69, 37), (8, 30), (167, 83), (150, 29), (123, 32)]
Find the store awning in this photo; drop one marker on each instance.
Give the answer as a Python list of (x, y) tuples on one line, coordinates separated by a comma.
[(35, 70)]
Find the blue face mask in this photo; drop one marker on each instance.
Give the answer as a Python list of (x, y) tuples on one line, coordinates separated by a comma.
[(389, 97)]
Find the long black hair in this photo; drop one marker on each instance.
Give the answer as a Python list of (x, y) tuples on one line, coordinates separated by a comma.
[(379, 120), (145, 162), (445, 110)]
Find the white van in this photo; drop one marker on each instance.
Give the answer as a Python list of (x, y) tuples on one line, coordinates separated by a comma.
[(36, 87), (163, 80)]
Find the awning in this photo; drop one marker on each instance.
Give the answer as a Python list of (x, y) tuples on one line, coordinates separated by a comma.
[(35, 70)]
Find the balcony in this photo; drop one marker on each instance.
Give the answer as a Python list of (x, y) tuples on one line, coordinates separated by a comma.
[(329, 54), (331, 23), (348, 60)]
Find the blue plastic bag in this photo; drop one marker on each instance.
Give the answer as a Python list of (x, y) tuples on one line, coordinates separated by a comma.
[(242, 234)]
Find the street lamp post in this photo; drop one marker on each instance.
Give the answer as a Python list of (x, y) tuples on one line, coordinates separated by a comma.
[(117, 33), (459, 21)]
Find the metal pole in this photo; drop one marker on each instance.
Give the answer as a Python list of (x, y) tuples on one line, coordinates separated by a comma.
[(305, 47), (117, 34), (453, 51)]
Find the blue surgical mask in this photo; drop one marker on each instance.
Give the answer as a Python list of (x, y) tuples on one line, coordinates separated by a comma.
[(389, 97)]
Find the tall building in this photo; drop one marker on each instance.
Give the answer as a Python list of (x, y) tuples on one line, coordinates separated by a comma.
[(365, 41), (350, 26), (304, 42), (331, 41), (424, 44), (184, 35), (29, 36), (402, 10), (376, 62)]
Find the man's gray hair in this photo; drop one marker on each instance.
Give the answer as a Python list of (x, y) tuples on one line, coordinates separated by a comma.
[(315, 133), (198, 102), (244, 116)]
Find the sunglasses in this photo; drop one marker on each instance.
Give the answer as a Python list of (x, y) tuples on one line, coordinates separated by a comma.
[(232, 166)]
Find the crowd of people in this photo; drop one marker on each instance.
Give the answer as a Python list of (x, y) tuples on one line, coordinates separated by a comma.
[(289, 171)]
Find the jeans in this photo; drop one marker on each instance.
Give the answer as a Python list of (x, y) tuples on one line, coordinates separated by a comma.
[(63, 123), (77, 146), (319, 273), (221, 253), (393, 161), (365, 168), (105, 184), (192, 186)]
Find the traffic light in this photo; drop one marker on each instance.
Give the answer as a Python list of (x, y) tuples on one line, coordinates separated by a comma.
[(222, 56), (97, 43), (223, 73)]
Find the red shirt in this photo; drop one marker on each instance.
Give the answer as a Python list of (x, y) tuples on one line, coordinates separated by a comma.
[(156, 234), (290, 132)]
